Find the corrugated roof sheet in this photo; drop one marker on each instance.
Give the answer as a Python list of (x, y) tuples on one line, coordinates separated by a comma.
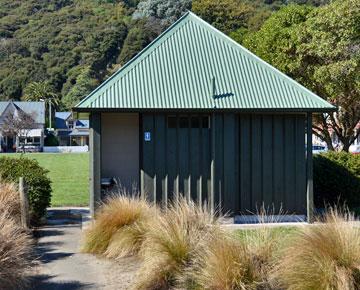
[(36, 109), (179, 69)]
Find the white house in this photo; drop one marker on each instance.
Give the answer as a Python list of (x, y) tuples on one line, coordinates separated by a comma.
[(32, 139)]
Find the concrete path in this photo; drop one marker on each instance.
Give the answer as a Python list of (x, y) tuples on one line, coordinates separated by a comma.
[(63, 267)]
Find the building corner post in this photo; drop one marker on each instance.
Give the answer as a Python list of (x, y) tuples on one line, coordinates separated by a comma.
[(309, 170), (95, 161), (213, 162)]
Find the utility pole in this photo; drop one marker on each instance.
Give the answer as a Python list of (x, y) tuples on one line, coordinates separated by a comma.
[(50, 114)]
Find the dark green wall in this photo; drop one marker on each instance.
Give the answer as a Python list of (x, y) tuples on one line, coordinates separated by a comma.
[(95, 161), (258, 159)]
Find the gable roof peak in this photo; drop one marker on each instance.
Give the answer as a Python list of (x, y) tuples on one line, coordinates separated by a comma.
[(175, 71)]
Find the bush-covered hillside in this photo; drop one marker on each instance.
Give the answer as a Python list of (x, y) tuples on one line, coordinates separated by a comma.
[(73, 45)]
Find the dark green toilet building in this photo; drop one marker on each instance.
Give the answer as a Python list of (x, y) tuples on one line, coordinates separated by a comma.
[(197, 114)]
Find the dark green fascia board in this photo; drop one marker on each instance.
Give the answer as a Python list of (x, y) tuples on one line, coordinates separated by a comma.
[(245, 110)]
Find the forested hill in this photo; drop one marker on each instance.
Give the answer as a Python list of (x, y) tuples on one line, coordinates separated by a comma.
[(70, 46)]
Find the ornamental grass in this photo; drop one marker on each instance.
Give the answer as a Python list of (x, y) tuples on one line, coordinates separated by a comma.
[(110, 233), (322, 256), (172, 242), (16, 254), (10, 200)]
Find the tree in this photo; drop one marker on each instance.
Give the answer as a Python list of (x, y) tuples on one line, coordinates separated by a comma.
[(140, 35), (18, 124), (84, 84), (166, 11), (330, 51), (319, 47), (225, 15), (277, 40), (42, 91)]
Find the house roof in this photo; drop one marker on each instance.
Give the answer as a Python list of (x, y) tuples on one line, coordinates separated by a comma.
[(36, 109), (192, 65), (62, 117)]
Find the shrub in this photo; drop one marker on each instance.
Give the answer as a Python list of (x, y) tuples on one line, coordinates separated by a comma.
[(15, 254), (10, 200), (51, 140), (11, 169), (322, 256), (337, 179), (172, 242), (112, 226)]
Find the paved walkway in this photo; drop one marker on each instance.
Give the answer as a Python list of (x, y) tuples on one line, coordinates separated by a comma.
[(62, 266)]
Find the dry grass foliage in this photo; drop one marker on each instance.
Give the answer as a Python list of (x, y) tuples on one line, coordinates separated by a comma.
[(128, 240), (118, 226), (263, 245), (183, 246), (231, 263), (10, 200), (172, 242), (225, 263), (323, 256), (15, 254)]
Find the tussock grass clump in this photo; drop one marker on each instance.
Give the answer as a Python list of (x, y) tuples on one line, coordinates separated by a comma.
[(172, 242), (322, 256), (117, 213), (128, 240), (264, 244), (241, 260), (10, 199), (225, 263), (15, 254)]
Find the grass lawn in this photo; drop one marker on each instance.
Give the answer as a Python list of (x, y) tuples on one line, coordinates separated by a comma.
[(283, 231), (69, 175)]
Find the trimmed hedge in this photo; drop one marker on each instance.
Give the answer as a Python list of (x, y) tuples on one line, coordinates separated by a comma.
[(337, 179), (36, 179)]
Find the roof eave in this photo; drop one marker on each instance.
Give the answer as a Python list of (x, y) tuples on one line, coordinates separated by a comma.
[(179, 110)]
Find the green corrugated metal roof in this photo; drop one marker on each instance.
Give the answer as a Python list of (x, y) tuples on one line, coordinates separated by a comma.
[(178, 69)]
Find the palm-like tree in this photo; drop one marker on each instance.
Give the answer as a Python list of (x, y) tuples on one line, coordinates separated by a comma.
[(42, 91)]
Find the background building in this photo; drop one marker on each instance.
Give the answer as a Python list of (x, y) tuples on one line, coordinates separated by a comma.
[(70, 131), (30, 138)]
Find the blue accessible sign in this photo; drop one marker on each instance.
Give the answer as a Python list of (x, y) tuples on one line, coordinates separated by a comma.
[(147, 136)]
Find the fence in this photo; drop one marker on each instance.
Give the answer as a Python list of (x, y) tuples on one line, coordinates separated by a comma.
[(65, 149), (24, 203)]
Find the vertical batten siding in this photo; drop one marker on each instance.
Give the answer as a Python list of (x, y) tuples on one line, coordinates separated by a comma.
[(278, 162), (259, 159), (95, 162), (300, 166), (245, 162), (148, 177), (256, 160), (267, 141), (231, 162), (219, 162)]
